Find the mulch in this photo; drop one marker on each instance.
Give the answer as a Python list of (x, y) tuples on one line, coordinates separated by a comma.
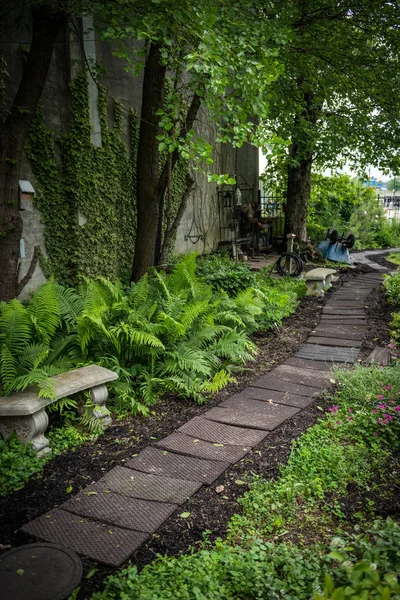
[(209, 510)]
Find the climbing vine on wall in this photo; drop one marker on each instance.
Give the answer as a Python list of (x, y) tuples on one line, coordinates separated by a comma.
[(86, 194)]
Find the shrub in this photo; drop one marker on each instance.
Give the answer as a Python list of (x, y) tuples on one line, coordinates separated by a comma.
[(391, 285)]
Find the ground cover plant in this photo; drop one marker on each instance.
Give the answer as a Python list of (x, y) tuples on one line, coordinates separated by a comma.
[(356, 438)]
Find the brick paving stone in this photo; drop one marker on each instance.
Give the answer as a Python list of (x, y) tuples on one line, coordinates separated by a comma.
[(342, 333), (323, 353), (102, 543), (271, 396), (210, 431), (162, 462), (137, 484), (245, 417), (310, 377), (308, 364), (347, 312), (331, 341), (186, 444), (271, 381), (120, 510)]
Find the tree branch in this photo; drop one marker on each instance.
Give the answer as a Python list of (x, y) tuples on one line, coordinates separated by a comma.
[(31, 270), (169, 234)]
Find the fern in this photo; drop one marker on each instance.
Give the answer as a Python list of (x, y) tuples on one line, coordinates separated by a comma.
[(44, 311), (15, 327), (8, 369)]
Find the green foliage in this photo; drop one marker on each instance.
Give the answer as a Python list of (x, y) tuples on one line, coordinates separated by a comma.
[(356, 565), (98, 183), (394, 257), (278, 297), (19, 462), (391, 286)]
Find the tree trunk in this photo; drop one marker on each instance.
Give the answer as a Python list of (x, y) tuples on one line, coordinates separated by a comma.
[(168, 167), (148, 164), (299, 169), (46, 25), (298, 195), (171, 230)]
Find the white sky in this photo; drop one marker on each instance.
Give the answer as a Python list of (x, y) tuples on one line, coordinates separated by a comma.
[(374, 173)]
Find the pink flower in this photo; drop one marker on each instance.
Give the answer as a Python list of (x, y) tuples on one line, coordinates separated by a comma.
[(350, 410), (391, 402), (376, 433), (337, 422), (374, 411), (380, 397), (335, 409), (382, 406), (380, 421), (349, 418), (397, 408), (330, 409), (389, 386)]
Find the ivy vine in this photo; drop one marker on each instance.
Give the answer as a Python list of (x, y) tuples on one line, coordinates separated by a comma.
[(77, 180)]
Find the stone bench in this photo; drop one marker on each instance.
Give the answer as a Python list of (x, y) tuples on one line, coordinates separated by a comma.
[(318, 280), (24, 412)]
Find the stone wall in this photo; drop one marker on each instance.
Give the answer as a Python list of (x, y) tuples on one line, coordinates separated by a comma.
[(199, 229)]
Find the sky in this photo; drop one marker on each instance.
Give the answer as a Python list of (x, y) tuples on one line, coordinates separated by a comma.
[(374, 173)]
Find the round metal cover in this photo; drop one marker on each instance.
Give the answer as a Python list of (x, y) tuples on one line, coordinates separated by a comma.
[(39, 572)]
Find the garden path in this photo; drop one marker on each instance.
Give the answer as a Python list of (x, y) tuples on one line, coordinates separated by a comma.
[(109, 520)]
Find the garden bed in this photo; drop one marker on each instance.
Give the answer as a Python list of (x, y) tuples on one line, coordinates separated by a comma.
[(74, 469)]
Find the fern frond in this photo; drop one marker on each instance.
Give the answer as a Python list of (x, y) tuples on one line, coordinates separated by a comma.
[(15, 327), (32, 356), (71, 304), (8, 369), (44, 311)]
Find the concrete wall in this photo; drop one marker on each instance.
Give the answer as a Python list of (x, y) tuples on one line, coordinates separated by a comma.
[(71, 53)]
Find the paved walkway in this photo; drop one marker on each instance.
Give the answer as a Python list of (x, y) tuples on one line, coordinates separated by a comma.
[(111, 519)]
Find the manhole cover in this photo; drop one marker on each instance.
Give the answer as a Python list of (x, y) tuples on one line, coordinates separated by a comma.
[(39, 572)]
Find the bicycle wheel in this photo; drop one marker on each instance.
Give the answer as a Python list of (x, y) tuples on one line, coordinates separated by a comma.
[(289, 265)]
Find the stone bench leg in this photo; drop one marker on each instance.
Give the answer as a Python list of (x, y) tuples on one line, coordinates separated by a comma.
[(29, 429), (99, 395)]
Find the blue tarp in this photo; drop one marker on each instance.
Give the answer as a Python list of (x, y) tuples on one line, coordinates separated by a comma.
[(335, 252)]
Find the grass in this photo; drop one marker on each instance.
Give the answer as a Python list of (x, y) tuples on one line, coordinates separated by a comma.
[(394, 257)]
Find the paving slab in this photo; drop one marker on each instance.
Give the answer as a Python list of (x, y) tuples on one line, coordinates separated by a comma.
[(344, 304), (272, 382), (102, 543), (246, 417), (341, 319), (308, 364), (323, 353), (122, 511), (186, 444), (346, 311), (331, 341), (210, 431), (162, 462), (310, 377), (380, 355), (137, 484), (342, 335), (271, 397), (270, 408)]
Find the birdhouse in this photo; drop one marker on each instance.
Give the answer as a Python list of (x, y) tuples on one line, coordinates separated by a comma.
[(26, 193)]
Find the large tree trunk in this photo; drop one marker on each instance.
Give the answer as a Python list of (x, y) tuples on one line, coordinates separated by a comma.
[(299, 169), (148, 164), (45, 27), (298, 195)]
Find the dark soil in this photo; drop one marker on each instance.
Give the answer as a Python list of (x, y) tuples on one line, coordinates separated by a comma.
[(208, 509)]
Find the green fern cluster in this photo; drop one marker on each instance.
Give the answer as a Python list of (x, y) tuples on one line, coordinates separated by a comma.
[(31, 344), (165, 334)]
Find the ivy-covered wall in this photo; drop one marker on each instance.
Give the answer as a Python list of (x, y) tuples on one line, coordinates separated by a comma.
[(86, 194)]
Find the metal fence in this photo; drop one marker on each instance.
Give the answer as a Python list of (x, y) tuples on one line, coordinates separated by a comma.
[(391, 206)]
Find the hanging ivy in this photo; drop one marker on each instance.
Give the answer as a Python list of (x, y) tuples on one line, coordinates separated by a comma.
[(80, 182)]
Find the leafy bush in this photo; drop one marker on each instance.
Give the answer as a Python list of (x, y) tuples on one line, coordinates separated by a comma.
[(391, 285), (279, 297)]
